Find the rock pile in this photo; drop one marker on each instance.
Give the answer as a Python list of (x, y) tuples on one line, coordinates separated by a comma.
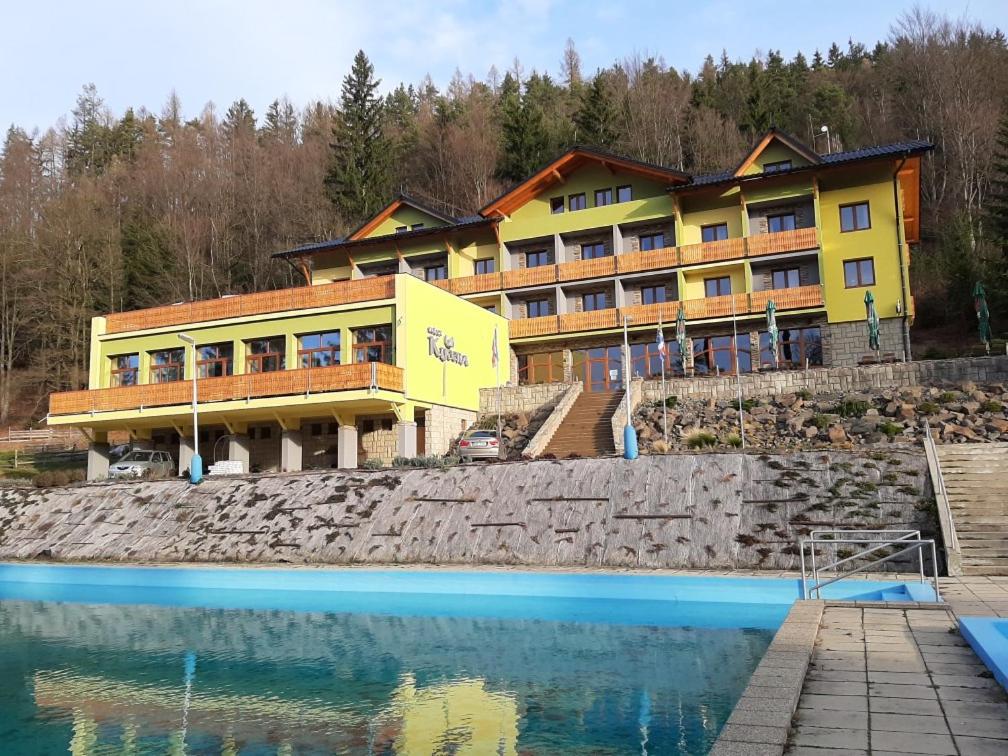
[(516, 429), (959, 413)]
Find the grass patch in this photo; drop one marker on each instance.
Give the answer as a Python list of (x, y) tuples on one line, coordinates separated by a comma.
[(803, 394), (852, 408), (748, 404), (701, 439), (671, 401), (734, 440), (428, 461), (928, 408), (822, 422), (372, 464), (948, 396), (890, 429), (991, 406)]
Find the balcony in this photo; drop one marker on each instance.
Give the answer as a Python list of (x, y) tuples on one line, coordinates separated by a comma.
[(280, 300), (521, 277), (655, 259), (798, 240), (754, 303), (229, 388), (597, 267), (716, 251)]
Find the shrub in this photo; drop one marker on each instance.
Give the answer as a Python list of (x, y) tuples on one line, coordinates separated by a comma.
[(891, 429), (671, 401), (51, 479), (852, 408), (822, 422), (659, 447), (748, 404), (804, 394), (928, 408), (372, 464), (428, 461), (948, 396), (991, 406), (734, 440), (701, 439)]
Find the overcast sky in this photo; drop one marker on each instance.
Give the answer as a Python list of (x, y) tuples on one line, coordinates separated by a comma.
[(137, 52)]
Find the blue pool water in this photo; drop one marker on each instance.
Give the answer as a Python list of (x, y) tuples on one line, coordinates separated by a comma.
[(186, 660)]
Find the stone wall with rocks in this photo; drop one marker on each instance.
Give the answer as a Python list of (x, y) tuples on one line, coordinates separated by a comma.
[(537, 443), (673, 511), (516, 399), (846, 344), (443, 426), (802, 420)]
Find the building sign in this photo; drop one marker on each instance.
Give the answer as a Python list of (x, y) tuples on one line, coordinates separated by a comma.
[(442, 346)]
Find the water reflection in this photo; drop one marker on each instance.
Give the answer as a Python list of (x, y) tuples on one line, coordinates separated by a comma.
[(103, 679)]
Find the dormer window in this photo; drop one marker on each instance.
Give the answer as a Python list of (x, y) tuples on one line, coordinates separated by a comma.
[(416, 226), (778, 166), (557, 205), (401, 229)]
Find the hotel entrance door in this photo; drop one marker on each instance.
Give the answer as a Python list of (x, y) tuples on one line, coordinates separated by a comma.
[(601, 368)]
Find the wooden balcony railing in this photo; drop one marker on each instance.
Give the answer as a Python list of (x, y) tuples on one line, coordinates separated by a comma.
[(542, 275), (783, 241), (542, 326), (726, 249), (476, 284), (661, 312), (655, 259), (597, 267), (280, 300), (787, 299), (595, 320), (716, 307), (231, 387)]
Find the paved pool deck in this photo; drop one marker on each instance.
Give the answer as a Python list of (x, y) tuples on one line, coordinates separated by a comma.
[(876, 678)]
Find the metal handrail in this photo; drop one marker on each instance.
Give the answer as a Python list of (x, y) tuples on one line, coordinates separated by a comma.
[(875, 540), (941, 494)]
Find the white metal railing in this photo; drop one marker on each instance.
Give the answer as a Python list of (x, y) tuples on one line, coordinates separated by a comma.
[(872, 541), (941, 495)]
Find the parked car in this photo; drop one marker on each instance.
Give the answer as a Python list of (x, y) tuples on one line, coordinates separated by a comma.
[(141, 463), (479, 444)]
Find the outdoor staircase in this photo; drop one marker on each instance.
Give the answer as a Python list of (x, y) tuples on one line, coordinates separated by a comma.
[(976, 482), (587, 429)]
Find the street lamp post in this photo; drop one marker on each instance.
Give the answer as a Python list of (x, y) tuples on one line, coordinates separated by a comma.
[(629, 434), (196, 463)]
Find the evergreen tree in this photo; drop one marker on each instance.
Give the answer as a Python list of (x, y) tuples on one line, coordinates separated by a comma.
[(525, 140), (596, 118), (359, 176), (90, 138), (281, 123), (239, 118), (997, 198), (147, 262), (817, 61)]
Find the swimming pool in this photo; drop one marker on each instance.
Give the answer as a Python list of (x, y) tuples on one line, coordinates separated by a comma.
[(100, 659)]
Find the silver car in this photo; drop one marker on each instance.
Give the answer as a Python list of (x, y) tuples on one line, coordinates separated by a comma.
[(479, 444), (141, 463)]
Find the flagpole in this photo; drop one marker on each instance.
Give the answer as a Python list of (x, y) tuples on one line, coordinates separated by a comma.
[(496, 350), (738, 376)]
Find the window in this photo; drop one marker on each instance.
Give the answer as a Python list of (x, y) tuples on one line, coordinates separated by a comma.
[(373, 344), (603, 197), (652, 294), (437, 272), (537, 258), (265, 355), (577, 202), (490, 308), (537, 308), (714, 232), (787, 278), (167, 365), (401, 229), (416, 226), (855, 217), (717, 287), (624, 193), (646, 361), (782, 222), (859, 272), (794, 346), (652, 241), (777, 166), (485, 266), (595, 300), (556, 205), (540, 368), (215, 360), (319, 349), (717, 355), (593, 250), (125, 368)]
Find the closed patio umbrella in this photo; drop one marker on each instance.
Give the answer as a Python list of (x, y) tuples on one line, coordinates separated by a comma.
[(771, 325), (983, 315), (873, 322)]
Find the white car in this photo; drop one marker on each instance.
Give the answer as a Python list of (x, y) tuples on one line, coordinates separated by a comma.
[(141, 463)]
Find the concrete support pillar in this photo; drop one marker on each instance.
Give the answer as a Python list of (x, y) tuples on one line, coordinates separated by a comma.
[(406, 439), (290, 450), (185, 453), (238, 450), (97, 461), (346, 453)]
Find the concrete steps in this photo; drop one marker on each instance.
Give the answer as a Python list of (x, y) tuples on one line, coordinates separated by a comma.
[(587, 429), (976, 482)]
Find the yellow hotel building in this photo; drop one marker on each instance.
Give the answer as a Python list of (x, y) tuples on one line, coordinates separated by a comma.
[(384, 350)]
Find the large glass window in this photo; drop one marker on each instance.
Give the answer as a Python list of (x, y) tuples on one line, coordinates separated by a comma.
[(652, 241), (319, 349), (595, 300), (265, 355), (537, 258), (537, 308), (577, 202), (215, 360), (794, 346), (373, 344), (603, 197), (593, 250), (786, 278), (717, 354), (487, 265), (646, 361), (714, 232), (125, 369), (859, 272), (855, 217), (546, 367), (782, 222), (167, 365), (717, 287)]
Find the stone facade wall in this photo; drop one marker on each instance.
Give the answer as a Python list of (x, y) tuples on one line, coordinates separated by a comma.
[(846, 344), (377, 438), (442, 425), (520, 398)]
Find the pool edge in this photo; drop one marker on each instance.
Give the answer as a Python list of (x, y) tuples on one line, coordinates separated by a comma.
[(988, 643)]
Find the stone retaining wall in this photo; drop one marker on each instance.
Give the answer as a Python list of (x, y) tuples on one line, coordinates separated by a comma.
[(538, 443), (516, 399)]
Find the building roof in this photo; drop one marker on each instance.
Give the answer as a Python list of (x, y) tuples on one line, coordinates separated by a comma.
[(789, 141), (554, 172), (400, 199)]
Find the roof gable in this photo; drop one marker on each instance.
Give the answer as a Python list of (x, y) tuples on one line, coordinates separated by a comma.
[(776, 145), (402, 211), (557, 171)]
